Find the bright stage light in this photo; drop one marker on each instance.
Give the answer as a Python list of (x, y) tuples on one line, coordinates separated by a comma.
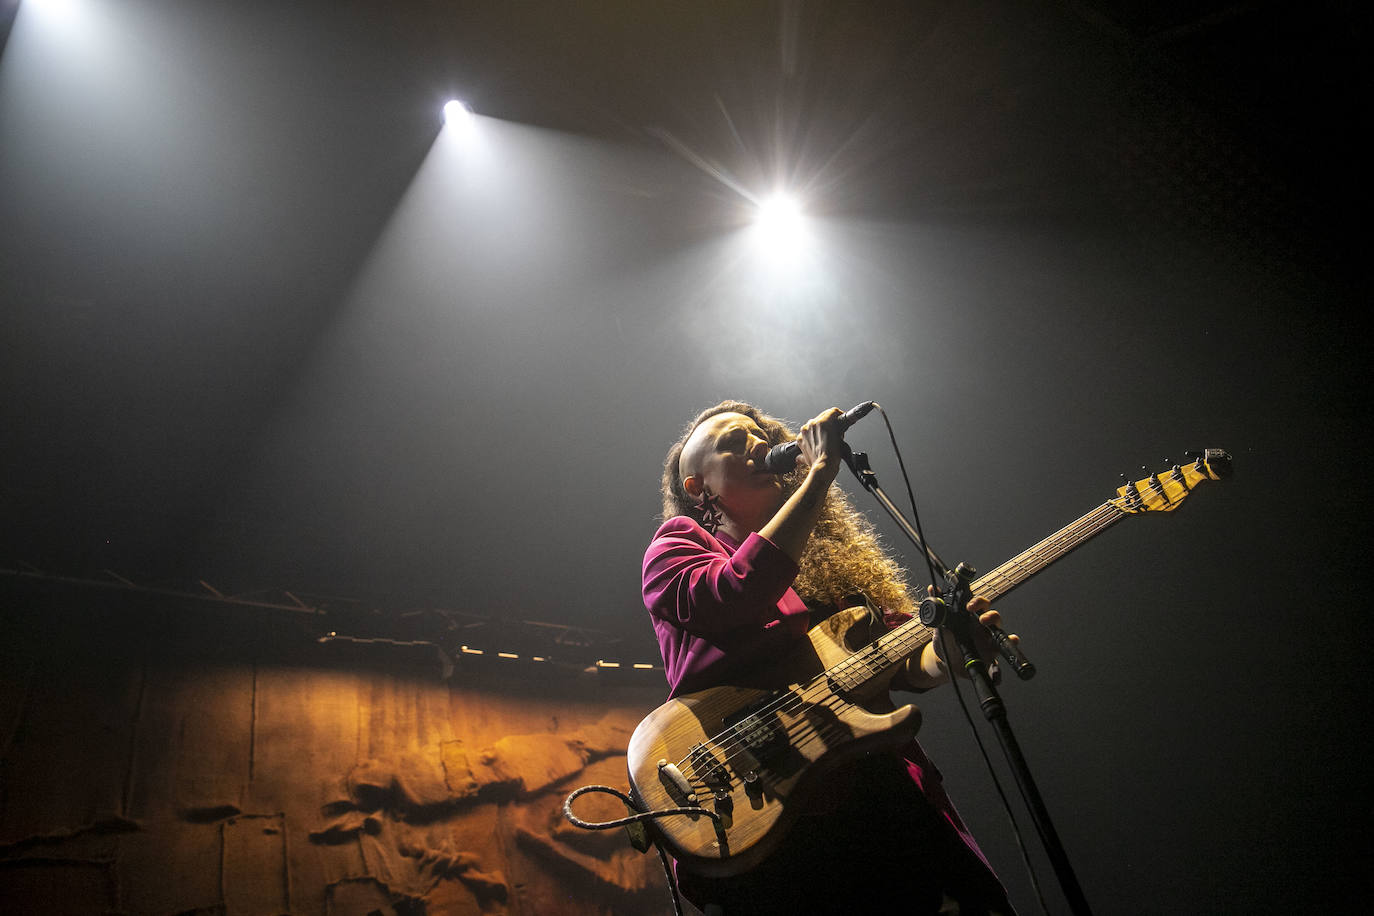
[(780, 214), (456, 113), (780, 225)]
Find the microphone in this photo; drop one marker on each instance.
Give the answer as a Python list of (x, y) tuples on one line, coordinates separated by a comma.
[(783, 458)]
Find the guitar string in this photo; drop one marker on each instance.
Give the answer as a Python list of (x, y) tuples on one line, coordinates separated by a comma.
[(792, 700), (1054, 545), (871, 661), (805, 697), (898, 640), (868, 662), (730, 739), (1075, 533), (1094, 521), (831, 732)]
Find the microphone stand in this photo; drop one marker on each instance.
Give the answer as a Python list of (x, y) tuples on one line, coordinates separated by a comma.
[(951, 612)]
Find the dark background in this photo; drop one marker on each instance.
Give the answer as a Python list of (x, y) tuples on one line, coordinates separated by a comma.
[(265, 326)]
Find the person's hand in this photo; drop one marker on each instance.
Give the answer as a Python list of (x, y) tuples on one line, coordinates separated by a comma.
[(982, 636), (821, 445), (822, 442)]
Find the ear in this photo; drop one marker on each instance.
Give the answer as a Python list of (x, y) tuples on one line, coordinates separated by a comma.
[(692, 484)]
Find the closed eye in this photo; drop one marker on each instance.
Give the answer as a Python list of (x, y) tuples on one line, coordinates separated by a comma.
[(733, 440)]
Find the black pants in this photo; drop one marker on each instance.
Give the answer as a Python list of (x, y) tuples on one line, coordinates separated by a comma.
[(882, 847)]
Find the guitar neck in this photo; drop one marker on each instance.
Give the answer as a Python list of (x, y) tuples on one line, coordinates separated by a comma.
[(897, 645), (1161, 492), (1018, 569)]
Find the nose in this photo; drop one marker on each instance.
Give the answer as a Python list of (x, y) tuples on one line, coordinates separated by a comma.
[(758, 449)]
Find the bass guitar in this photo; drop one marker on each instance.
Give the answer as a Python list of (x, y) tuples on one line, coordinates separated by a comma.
[(745, 759)]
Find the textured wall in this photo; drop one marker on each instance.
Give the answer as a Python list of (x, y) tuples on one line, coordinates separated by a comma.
[(160, 759)]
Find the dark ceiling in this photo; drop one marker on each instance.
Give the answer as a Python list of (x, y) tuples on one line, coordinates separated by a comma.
[(1207, 132)]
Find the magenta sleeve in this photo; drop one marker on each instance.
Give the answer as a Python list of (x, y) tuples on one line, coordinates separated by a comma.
[(691, 583)]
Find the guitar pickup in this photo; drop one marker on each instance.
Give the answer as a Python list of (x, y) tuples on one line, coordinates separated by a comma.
[(758, 730), (707, 768)]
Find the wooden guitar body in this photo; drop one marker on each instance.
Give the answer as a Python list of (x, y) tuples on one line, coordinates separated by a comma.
[(758, 757)]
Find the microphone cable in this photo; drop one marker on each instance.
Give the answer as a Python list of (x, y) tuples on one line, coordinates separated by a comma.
[(954, 680)]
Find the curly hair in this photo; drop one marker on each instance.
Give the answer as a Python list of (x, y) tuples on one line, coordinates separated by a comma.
[(843, 557)]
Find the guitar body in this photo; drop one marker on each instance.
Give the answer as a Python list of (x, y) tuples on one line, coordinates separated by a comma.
[(758, 757)]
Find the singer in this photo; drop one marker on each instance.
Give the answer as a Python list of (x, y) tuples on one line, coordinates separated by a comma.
[(744, 563)]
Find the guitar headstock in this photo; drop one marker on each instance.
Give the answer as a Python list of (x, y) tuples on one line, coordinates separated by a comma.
[(1165, 491)]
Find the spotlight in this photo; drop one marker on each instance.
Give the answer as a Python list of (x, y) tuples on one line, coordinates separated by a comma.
[(780, 225), (456, 113), (780, 213)]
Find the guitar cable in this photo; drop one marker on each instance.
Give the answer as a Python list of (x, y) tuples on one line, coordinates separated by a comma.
[(639, 817)]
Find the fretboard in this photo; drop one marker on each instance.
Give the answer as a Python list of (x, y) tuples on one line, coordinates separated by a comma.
[(1018, 569), (895, 646)]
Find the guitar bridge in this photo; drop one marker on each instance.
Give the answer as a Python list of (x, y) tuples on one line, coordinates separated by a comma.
[(677, 786)]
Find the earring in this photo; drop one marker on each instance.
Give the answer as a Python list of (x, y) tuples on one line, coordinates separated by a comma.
[(708, 511)]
